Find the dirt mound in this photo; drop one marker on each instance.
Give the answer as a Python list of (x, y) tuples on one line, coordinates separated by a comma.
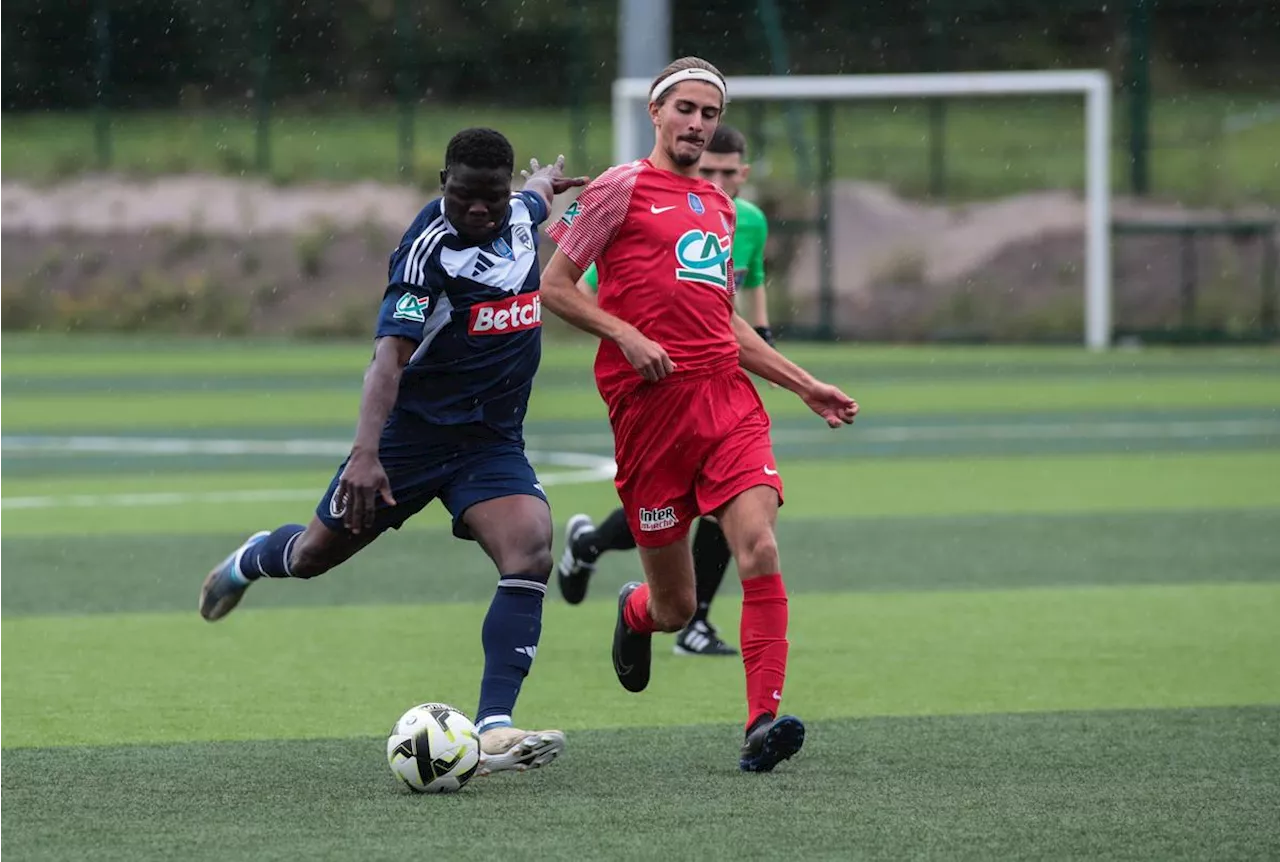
[(902, 269), (218, 206), (1007, 267)]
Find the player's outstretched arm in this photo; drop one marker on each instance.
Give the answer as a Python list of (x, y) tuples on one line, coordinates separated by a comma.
[(756, 356), (550, 181), (363, 480), (561, 296)]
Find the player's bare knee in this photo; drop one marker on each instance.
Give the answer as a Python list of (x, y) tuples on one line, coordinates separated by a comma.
[(758, 553), (537, 561), (527, 554)]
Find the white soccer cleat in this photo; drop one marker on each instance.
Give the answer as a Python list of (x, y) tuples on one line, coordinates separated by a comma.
[(509, 749)]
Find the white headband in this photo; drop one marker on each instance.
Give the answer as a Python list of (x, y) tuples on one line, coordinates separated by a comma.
[(687, 75)]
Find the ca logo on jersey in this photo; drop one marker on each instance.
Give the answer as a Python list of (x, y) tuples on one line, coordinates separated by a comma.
[(410, 307), (703, 257), (571, 213)]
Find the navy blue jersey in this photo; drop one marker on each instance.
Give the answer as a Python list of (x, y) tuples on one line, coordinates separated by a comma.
[(475, 313)]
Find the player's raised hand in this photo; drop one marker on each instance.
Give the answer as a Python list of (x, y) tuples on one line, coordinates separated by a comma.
[(362, 482), (831, 404), (646, 356), (553, 173)]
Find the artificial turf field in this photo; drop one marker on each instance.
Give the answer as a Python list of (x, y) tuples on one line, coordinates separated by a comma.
[(1035, 613)]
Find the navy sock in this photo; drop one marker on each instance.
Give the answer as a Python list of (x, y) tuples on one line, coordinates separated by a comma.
[(613, 534), (510, 637), (269, 556)]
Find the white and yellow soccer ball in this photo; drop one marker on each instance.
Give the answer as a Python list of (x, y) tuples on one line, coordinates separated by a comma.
[(434, 748)]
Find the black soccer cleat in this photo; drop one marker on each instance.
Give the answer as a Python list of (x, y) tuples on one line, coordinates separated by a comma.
[(701, 638), (573, 573), (632, 652), (770, 742)]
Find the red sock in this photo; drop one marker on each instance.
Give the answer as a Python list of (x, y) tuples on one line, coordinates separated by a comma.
[(635, 613), (764, 643)]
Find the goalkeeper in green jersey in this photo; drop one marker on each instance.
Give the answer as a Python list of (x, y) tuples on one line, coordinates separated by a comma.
[(723, 163)]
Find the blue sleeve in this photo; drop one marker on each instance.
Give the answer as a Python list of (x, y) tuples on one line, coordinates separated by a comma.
[(404, 312), (537, 206), (411, 294), (409, 261)]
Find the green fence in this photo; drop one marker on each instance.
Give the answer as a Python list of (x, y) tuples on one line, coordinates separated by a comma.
[(89, 84), (345, 90)]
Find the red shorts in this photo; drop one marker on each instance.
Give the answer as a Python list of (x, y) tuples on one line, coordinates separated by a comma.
[(686, 448)]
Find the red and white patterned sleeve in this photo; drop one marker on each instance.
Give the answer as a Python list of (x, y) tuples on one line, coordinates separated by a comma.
[(730, 215), (590, 223)]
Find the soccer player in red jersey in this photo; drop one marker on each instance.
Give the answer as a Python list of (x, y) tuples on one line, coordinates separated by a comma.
[(691, 434)]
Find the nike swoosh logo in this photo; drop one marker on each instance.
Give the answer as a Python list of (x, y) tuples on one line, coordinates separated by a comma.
[(618, 667), (657, 210), (769, 472), (622, 669)]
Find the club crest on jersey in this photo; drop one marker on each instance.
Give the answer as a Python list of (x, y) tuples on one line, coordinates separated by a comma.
[(500, 246), (410, 307), (571, 213), (703, 257), (523, 236), (695, 204)]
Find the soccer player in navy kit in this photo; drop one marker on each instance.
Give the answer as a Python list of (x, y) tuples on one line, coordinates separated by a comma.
[(458, 341)]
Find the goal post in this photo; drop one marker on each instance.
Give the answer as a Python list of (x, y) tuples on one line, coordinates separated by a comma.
[(1093, 85)]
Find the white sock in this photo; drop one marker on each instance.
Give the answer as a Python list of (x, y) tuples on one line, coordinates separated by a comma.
[(494, 721)]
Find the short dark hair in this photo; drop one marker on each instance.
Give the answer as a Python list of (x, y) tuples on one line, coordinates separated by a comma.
[(727, 139), (480, 148)]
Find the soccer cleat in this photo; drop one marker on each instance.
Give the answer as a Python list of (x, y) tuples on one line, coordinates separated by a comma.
[(222, 590), (770, 742), (507, 749), (632, 652), (701, 638), (573, 573)]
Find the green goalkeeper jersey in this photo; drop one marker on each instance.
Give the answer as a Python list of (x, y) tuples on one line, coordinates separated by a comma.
[(750, 234)]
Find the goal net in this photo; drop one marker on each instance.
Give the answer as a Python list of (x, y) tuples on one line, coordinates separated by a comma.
[(853, 244)]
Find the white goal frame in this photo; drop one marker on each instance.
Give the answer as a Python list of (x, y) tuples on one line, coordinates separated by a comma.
[(1094, 85)]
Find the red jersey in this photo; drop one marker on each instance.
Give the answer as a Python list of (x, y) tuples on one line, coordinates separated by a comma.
[(661, 243)]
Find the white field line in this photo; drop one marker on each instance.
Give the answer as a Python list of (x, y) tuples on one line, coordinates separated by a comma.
[(589, 468), (1178, 429), (592, 468), (1015, 431)]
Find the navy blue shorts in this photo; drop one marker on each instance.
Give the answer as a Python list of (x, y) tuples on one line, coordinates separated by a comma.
[(460, 465)]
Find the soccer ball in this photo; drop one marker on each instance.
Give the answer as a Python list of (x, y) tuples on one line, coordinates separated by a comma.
[(434, 748)]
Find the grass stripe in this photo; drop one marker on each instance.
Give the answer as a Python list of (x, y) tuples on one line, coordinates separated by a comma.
[(172, 677), (1167, 784), (87, 412), (1068, 484), (45, 456), (108, 574), (46, 354)]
